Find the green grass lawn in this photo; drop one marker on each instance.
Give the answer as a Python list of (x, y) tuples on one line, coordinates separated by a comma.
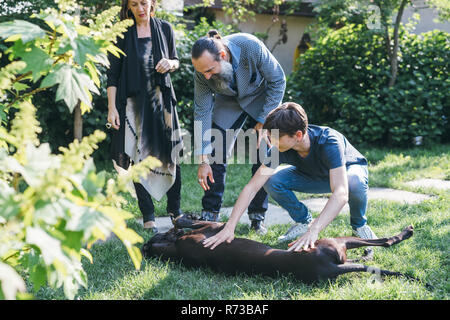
[(425, 255)]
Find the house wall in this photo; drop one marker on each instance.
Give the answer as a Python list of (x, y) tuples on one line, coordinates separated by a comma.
[(297, 24), (427, 17), (284, 53)]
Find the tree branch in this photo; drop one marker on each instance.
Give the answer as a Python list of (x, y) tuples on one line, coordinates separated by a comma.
[(26, 95)]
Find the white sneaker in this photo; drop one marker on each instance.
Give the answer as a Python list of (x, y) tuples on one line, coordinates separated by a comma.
[(297, 230), (364, 232)]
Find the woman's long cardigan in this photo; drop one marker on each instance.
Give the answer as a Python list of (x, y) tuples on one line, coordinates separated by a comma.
[(125, 73)]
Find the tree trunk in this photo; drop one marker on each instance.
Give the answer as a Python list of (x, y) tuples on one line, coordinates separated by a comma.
[(77, 123), (392, 51), (394, 55)]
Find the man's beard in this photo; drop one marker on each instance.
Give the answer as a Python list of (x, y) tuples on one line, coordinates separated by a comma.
[(223, 79)]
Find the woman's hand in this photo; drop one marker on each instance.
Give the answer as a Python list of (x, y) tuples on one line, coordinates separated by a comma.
[(165, 65), (113, 117), (205, 172), (227, 234)]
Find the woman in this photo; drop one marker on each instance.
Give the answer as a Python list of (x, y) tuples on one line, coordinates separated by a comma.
[(142, 106)]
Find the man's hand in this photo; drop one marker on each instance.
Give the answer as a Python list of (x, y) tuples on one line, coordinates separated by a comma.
[(304, 242), (224, 235), (262, 134), (205, 172)]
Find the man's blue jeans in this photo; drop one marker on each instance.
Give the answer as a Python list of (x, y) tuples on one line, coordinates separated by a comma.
[(281, 185)]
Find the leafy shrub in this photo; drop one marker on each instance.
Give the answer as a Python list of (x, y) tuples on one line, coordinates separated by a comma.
[(343, 82), (54, 207)]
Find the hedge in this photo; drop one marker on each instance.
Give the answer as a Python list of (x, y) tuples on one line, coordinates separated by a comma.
[(342, 82)]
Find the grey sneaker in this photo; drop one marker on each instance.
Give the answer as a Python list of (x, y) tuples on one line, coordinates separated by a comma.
[(294, 232), (364, 232), (259, 227)]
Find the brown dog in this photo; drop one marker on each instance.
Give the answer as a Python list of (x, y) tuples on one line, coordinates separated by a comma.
[(326, 261)]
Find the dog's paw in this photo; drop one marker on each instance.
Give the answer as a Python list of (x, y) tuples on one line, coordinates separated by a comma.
[(408, 232)]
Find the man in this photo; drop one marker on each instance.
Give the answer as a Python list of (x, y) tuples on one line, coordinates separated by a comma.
[(321, 161), (236, 78)]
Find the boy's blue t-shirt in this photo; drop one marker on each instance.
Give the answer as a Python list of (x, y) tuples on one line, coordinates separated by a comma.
[(329, 149)]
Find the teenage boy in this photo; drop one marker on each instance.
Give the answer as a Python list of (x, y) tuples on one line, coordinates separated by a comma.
[(321, 160)]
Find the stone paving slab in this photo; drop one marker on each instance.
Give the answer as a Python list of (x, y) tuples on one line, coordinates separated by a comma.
[(277, 215), (402, 196), (430, 183)]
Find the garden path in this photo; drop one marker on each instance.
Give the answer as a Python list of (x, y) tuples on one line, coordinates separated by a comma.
[(277, 215)]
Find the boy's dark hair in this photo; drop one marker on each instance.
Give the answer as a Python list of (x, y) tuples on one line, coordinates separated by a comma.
[(211, 42), (288, 118)]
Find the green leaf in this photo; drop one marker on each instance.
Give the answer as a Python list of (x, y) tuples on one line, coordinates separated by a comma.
[(4, 186), (3, 115), (18, 86), (9, 207), (10, 282), (57, 24), (115, 214), (93, 72), (73, 239), (73, 85), (36, 59), (82, 46), (89, 221), (87, 181), (51, 211), (135, 255), (87, 254), (50, 247), (39, 160), (38, 276), (20, 29)]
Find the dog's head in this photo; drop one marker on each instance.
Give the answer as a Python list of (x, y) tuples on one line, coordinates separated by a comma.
[(161, 242)]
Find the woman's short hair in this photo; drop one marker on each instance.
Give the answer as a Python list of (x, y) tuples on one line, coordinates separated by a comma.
[(288, 118), (212, 42)]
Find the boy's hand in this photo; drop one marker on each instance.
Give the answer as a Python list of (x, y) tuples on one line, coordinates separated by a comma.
[(304, 242), (224, 235)]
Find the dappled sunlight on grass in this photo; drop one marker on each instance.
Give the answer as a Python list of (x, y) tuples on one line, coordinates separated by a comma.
[(393, 168), (425, 255)]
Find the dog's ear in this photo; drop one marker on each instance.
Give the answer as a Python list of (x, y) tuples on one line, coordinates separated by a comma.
[(159, 237), (146, 250), (173, 235)]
